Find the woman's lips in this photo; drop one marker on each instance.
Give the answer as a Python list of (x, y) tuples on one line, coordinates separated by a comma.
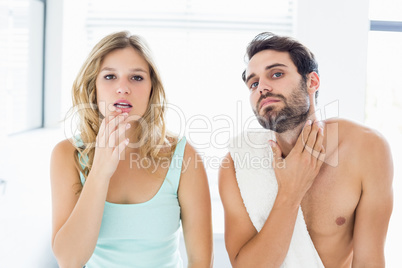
[(123, 105)]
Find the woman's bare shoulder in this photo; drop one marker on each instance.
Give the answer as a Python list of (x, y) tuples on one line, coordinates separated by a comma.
[(63, 157), (64, 149)]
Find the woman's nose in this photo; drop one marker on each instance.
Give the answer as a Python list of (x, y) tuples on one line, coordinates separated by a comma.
[(123, 89)]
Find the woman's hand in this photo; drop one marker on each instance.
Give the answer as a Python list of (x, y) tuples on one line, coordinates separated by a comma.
[(111, 142), (296, 173)]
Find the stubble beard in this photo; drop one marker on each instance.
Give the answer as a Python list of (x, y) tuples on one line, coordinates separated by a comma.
[(295, 112)]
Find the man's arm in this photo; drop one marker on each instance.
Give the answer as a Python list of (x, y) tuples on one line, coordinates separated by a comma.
[(246, 247), (268, 248), (375, 207)]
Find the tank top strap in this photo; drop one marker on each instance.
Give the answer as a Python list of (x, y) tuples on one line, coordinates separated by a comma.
[(174, 172), (78, 142)]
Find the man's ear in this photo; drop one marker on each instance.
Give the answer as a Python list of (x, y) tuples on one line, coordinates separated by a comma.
[(313, 83)]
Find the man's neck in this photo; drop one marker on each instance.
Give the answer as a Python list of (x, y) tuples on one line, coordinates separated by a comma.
[(288, 139)]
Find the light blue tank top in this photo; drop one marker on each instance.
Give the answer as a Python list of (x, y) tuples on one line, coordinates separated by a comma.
[(145, 234)]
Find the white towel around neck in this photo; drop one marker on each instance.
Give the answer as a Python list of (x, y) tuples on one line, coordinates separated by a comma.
[(255, 176)]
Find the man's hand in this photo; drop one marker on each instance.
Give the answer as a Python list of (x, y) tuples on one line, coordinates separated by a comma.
[(296, 173)]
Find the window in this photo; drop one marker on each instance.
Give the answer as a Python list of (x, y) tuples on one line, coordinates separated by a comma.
[(384, 97), (21, 64)]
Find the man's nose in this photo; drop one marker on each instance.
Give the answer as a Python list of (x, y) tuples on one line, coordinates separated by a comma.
[(263, 87)]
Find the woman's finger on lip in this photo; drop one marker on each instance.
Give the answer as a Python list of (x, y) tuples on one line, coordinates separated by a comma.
[(113, 113), (114, 110), (115, 121), (121, 117), (111, 107)]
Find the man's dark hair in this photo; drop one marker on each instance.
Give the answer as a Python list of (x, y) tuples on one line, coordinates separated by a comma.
[(301, 56)]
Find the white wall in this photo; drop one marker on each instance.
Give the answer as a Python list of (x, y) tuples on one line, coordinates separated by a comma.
[(337, 33)]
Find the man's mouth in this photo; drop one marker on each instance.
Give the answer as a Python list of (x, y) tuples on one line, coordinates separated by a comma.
[(267, 101)]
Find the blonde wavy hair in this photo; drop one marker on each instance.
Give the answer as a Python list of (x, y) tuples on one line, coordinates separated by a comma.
[(154, 141)]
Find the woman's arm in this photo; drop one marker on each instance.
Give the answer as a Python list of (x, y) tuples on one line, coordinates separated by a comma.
[(195, 205), (77, 217)]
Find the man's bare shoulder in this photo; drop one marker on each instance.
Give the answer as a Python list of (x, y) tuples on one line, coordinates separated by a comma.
[(356, 135), (364, 146)]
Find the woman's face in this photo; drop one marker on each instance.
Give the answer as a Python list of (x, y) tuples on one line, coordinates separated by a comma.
[(124, 82)]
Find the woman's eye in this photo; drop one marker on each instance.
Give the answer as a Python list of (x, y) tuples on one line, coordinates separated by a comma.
[(254, 85), (277, 75), (110, 77), (137, 78)]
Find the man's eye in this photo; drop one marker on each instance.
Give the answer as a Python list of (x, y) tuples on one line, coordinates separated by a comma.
[(277, 75), (137, 78), (254, 85), (110, 77)]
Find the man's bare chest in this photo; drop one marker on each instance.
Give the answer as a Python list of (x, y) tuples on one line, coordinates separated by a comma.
[(329, 206)]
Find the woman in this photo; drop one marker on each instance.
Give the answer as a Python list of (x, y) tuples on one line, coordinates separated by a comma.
[(121, 187)]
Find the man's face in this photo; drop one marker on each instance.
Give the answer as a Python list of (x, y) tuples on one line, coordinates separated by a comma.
[(278, 93)]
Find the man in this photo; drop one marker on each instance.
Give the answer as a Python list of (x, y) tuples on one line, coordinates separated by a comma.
[(338, 172)]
